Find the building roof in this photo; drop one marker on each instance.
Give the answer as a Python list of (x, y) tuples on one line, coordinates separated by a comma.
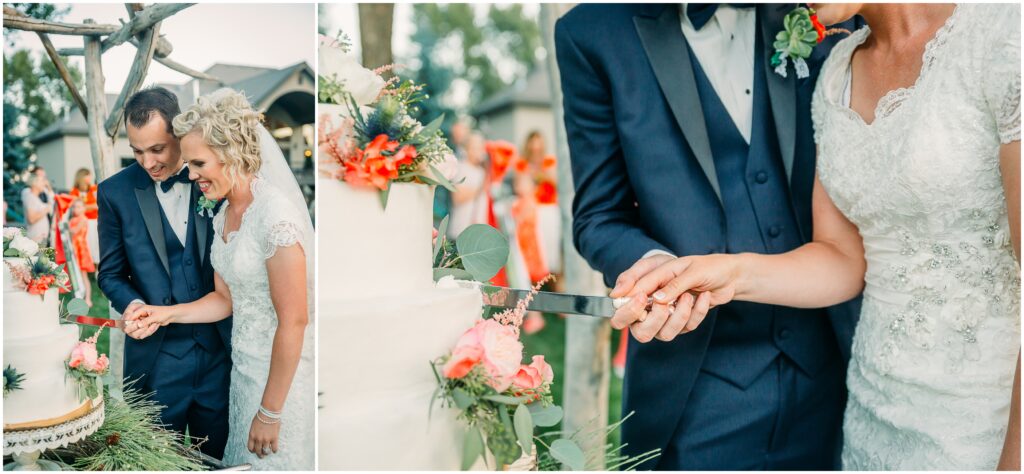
[(533, 91), (258, 84)]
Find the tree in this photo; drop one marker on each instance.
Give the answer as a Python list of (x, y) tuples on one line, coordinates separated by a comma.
[(34, 97), (375, 25), (494, 45)]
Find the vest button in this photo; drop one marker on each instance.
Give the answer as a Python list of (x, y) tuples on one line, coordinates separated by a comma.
[(188, 261), (774, 231), (192, 287), (761, 177), (784, 334), (167, 300)]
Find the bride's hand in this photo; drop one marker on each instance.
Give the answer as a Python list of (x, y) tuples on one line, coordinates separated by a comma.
[(145, 320), (263, 437), (712, 278)]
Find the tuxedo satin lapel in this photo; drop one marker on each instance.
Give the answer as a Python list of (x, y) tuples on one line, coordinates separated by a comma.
[(781, 90), (150, 208), (662, 37), (202, 223)]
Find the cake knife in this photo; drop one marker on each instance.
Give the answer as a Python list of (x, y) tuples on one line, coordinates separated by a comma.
[(547, 302), (93, 321)]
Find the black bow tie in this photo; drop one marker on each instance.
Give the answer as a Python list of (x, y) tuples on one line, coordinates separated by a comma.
[(181, 177), (700, 13)]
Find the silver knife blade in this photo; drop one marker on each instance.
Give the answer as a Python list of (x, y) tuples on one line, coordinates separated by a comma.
[(547, 302), (93, 321)]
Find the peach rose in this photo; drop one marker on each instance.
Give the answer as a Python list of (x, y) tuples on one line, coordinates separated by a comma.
[(542, 367), (83, 354), (528, 378), (101, 364), (502, 352)]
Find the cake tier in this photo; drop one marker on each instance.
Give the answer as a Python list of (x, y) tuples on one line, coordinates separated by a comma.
[(368, 251), (46, 393), (27, 315), (377, 385)]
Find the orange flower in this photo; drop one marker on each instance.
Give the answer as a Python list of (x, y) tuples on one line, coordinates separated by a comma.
[(548, 162), (546, 193), (502, 153), (521, 166), (380, 144), (405, 155)]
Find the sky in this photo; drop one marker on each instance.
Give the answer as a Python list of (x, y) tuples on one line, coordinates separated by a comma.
[(268, 35)]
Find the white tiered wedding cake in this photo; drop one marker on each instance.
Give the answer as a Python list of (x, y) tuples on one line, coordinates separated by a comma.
[(383, 321), (36, 346)]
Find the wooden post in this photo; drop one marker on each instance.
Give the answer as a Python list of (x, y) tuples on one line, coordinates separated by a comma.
[(102, 147), (100, 144), (137, 74), (63, 70), (587, 340), (375, 24)]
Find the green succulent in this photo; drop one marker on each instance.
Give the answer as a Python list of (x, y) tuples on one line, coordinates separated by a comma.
[(798, 38), (12, 380)]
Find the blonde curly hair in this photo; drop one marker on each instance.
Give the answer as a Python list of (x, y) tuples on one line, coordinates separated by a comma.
[(229, 126)]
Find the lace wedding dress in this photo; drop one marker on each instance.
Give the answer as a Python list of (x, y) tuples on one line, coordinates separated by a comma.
[(936, 346), (271, 222)]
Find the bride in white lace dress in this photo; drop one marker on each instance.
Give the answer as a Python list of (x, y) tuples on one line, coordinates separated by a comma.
[(917, 204), (263, 261)]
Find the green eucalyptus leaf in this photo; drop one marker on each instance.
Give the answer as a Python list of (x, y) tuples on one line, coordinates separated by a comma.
[(568, 453), (472, 448), (431, 127), (78, 307), (442, 231), (506, 399), (384, 196), (441, 180), (545, 416), (458, 273), (483, 250), (462, 399), (524, 428)]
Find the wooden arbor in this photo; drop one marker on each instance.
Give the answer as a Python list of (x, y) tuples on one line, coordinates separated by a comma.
[(143, 31)]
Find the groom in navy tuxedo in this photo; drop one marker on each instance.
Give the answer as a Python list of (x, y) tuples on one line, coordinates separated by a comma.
[(155, 249), (684, 141)]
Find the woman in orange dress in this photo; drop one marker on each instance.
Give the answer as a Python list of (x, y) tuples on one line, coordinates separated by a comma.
[(79, 225), (85, 190)]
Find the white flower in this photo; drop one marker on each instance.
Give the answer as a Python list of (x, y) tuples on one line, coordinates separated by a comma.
[(448, 167), (362, 83), (25, 246), (11, 232)]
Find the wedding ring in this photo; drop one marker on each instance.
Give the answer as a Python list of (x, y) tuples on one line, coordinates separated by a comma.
[(266, 450), (671, 309)]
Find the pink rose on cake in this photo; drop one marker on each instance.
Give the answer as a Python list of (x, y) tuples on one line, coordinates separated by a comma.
[(492, 344)]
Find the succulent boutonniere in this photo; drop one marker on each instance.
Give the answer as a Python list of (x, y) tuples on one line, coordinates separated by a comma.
[(205, 206), (802, 32)]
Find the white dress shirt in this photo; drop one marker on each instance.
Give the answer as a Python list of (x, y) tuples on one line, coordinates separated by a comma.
[(725, 49), (175, 202), (175, 206)]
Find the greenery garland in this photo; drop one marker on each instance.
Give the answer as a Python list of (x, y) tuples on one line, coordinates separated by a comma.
[(132, 438)]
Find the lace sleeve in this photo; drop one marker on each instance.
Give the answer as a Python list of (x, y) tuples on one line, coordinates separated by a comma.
[(281, 234), (1001, 80)]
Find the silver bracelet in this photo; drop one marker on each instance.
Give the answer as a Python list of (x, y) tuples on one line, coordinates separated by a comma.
[(275, 415), (266, 422)]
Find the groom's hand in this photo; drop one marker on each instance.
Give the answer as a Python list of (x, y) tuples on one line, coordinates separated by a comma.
[(625, 285)]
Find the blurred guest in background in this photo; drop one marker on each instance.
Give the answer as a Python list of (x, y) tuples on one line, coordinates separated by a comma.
[(37, 212), (79, 225), (469, 201), (85, 189)]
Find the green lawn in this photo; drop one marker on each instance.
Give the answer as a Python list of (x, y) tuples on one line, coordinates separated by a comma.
[(550, 342)]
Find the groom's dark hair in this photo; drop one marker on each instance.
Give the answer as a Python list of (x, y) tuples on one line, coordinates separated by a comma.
[(143, 104)]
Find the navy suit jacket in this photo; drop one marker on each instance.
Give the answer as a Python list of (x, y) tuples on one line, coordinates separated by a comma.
[(645, 176), (133, 257)]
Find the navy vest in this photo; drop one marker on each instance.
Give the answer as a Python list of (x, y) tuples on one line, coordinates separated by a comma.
[(187, 285), (759, 218)]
